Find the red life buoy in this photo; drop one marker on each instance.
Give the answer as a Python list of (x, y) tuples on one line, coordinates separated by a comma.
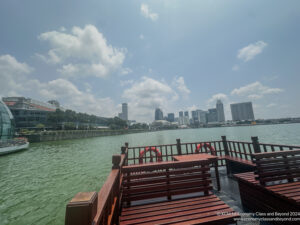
[(152, 149), (211, 148)]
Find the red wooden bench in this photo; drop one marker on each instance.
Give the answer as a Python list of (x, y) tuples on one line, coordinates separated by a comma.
[(275, 184), (179, 193)]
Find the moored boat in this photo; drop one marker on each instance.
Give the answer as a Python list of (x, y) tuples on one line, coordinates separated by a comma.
[(8, 144), (14, 145)]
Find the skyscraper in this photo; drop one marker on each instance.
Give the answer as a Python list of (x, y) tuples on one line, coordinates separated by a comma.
[(159, 114), (195, 116), (220, 111), (212, 115), (186, 113), (203, 116), (171, 117), (242, 111), (181, 119), (125, 111)]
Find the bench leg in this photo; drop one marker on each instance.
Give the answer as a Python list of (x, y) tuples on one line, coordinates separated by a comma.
[(228, 167), (217, 175)]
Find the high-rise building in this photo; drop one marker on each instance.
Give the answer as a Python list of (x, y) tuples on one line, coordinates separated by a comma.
[(202, 116), (125, 111), (186, 120), (186, 113), (195, 117), (220, 111), (180, 114), (212, 115), (171, 117), (242, 111), (181, 119), (159, 114), (124, 114)]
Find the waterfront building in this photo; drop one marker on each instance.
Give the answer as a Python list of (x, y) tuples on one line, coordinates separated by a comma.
[(124, 114), (181, 119), (180, 114), (28, 112), (186, 113), (125, 111), (195, 117), (242, 111), (220, 111), (212, 115), (6, 122), (186, 120), (171, 117), (159, 114), (202, 116)]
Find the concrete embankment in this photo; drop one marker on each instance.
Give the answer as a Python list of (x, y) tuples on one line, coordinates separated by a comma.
[(74, 134)]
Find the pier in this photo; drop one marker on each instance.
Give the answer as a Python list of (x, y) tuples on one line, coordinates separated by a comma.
[(207, 182)]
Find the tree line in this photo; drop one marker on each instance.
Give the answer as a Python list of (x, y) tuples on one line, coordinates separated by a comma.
[(70, 120)]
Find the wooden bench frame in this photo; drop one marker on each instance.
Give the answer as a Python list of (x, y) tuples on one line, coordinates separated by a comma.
[(272, 187), (166, 181)]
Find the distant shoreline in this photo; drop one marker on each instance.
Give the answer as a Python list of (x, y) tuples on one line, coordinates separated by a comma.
[(74, 134)]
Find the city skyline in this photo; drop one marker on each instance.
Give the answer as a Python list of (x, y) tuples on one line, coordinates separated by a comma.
[(176, 56)]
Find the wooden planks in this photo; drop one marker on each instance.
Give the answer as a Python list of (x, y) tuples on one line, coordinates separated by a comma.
[(201, 210), (155, 180), (274, 167)]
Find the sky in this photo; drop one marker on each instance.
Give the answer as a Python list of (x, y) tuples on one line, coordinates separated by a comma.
[(177, 55)]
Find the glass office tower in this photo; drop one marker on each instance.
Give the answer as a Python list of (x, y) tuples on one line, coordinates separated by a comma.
[(6, 122)]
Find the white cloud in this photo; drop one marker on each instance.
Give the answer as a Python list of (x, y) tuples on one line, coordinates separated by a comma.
[(12, 75), (15, 81), (83, 52), (216, 97), (271, 105), (254, 96), (255, 90), (142, 37), (126, 71), (147, 13), (126, 82), (249, 52), (147, 94), (73, 98), (179, 84)]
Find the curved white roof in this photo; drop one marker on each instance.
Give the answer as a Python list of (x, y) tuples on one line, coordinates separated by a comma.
[(7, 109)]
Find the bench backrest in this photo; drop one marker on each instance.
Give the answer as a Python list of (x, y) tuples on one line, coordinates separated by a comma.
[(277, 167), (165, 179)]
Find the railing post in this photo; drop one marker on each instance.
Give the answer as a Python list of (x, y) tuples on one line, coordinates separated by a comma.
[(82, 209), (255, 143), (116, 159), (225, 145), (178, 146), (123, 150)]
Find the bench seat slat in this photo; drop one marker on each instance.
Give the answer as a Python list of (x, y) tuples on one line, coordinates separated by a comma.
[(199, 210)]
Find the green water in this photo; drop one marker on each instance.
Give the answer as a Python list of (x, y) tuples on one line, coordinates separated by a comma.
[(36, 184)]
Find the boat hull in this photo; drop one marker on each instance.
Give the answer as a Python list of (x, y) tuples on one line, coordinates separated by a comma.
[(12, 149)]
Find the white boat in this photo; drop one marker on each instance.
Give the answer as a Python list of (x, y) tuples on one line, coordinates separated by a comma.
[(11, 146)]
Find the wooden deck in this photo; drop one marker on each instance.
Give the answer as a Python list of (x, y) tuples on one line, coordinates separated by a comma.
[(148, 187)]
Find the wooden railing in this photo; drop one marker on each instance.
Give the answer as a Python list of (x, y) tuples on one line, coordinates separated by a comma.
[(224, 147), (102, 208)]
